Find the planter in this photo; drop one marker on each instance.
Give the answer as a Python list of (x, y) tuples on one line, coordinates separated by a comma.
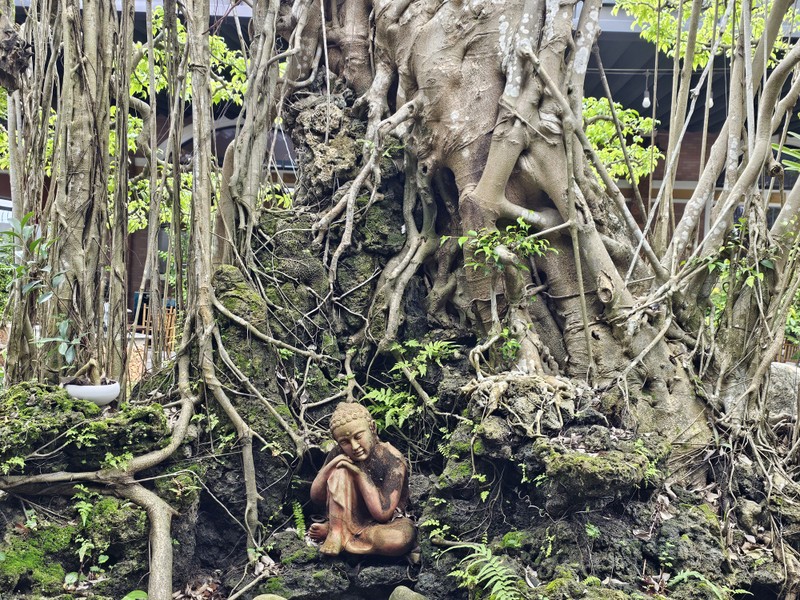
[(99, 394)]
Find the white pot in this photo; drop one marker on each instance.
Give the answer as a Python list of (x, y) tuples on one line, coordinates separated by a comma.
[(99, 394)]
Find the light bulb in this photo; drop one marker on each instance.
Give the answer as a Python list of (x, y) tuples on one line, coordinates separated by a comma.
[(646, 99)]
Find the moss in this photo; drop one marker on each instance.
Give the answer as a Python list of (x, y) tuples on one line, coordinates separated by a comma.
[(182, 487), (514, 539), (133, 429), (274, 585), (586, 476), (303, 555), (456, 474), (31, 560), (709, 514), (564, 585), (380, 230), (34, 415), (237, 296)]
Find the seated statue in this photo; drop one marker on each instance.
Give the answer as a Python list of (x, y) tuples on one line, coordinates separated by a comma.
[(364, 486)]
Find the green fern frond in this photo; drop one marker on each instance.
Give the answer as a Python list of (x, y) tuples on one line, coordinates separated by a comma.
[(483, 571), (299, 518)]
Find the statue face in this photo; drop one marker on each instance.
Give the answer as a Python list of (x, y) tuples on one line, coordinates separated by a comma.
[(356, 439)]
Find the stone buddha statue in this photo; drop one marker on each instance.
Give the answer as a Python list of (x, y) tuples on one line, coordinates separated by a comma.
[(364, 487)]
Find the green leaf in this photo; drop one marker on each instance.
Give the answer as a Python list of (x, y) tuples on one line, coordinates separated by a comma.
[(69, 355), (135, 595), (31, 285), (767, 264), (71, 578), (44, 297)]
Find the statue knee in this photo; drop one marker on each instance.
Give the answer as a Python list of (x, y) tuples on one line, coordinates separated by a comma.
[(339, 480)]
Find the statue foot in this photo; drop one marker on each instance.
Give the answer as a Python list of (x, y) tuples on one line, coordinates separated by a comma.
[(318, 532), (332, 546)]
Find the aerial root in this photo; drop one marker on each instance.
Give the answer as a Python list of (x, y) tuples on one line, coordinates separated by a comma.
[(528, 401)]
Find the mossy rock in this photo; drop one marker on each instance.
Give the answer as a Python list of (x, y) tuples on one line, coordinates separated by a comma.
[(117, 437), (238, 296), (36, 559), (576, 478), (181, 485), (382, 228), (32, 415)]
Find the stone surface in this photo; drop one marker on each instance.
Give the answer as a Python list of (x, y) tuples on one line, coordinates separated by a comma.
[(784, 381), (404, 593)]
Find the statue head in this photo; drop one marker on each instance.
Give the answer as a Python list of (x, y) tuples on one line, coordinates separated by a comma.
[(354, 430)]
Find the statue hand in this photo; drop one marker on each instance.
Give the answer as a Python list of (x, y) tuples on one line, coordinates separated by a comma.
[(350, 466)]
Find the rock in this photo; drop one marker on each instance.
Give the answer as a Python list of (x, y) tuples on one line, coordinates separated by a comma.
[(784, 381), (269, 597), (749, 513), (375, 578), (403, 593)]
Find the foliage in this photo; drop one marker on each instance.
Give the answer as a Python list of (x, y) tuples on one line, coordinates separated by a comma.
[(228, 66), (277, 195), (437, 528), (792, 330), (391, 407), (720, 592), (429, 353), (517, 237), (789, 156), (483, 572), (31, 251), (658, 21), (299, 519), (602, 133)]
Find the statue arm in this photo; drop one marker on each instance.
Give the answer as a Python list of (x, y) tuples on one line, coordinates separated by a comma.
[(380, 502)]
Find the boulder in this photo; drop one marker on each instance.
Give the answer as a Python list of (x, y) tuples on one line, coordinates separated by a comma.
[(784, 381), (401, 592)]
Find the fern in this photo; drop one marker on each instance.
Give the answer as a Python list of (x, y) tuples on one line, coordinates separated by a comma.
[(720, 592), (486, 573), (299, 518), (390, 408)]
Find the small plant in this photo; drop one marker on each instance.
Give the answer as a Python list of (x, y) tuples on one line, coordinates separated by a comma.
[(390, 408), (665, 557), (430, 353), (299, 519), (720, 591), (547, 546), (15, 462), (438, 530), (277, 195), (135, 595), (651, 470), (484, 243), (485, 574), (119, 462), (510, 346), (592, 531)]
